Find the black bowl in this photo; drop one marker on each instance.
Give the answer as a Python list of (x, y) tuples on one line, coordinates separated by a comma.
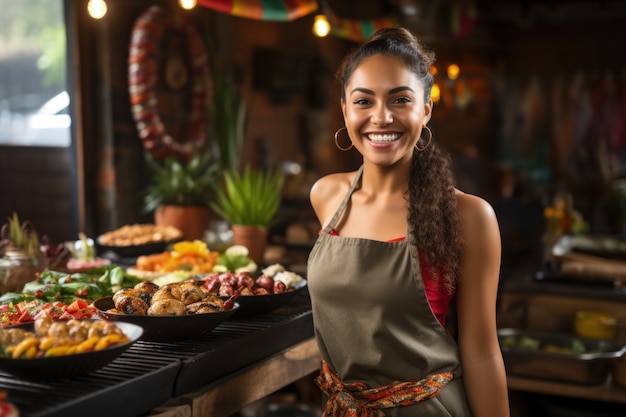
[(166, 328), (250, 305), (58, 367), (133, 251)]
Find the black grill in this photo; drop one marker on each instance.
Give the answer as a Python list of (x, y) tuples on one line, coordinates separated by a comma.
[(150, 373)]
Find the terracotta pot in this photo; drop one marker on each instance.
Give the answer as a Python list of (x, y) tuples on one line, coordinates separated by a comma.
[(252, 237), (191, 220)]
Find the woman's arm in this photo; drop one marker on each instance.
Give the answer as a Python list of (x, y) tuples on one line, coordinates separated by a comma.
[(483, 368)]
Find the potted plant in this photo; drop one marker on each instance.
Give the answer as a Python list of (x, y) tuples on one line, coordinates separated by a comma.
[(249, 201), (21, 256), (180, 192)]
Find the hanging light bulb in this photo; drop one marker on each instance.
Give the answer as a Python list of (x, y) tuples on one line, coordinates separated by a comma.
[(97, 8), (187, 4), (321, 26), (453, 71)]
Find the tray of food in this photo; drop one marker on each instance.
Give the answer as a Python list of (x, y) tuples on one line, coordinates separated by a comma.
[(558, 356), (138, 239), (54, 349), (171, 312), (591, 258), (256, 294), (609, 247)]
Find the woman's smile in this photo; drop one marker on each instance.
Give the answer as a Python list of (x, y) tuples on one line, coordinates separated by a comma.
[(383, 138)]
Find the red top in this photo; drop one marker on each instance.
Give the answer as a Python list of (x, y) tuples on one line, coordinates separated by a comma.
[(438, 297)]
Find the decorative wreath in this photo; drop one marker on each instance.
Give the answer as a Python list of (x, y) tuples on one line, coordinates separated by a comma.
[(143, 75)]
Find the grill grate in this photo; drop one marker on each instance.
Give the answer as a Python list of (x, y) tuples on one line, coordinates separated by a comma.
[(150, 373)]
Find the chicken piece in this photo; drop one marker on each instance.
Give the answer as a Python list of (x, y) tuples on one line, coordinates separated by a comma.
[(97, 328), (131, 305), (42, 324), (10, 337), (145, 290), (58, 330), (131, 292), (190, 293), (110, 328), (77, 329), (167, 307), (205, 306), (102, 328), (167, 292)]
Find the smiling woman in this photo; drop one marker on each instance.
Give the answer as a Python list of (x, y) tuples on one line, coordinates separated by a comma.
[(34, 103)]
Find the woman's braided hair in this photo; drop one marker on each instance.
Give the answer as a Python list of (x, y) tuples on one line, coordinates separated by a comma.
[(433, 212)]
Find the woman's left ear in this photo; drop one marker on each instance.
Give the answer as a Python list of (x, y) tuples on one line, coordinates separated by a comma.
[(428, 109)]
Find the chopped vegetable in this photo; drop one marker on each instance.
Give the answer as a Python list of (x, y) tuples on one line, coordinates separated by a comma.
[(63, 295)]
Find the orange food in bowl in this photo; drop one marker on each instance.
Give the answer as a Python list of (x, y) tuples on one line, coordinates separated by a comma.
[(595, 325)]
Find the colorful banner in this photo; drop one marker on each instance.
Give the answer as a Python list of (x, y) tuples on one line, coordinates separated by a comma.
[(357, 30), (267, 10), (287, 10)]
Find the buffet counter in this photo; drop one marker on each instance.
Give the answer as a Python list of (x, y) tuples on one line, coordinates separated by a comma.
[(238, 362), (544, 302)]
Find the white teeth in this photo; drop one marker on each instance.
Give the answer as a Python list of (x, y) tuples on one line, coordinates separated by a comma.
[(383, 138)]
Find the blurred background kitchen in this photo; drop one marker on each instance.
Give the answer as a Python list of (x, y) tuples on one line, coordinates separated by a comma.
[(530, 101)]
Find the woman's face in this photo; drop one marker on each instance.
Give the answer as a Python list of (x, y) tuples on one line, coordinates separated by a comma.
[(384, 110)]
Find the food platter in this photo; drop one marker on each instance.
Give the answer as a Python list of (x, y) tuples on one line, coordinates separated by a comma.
[(608, 247), (133, 251), (262, 304), (547, 355), (133, 240), (166, 328), (59, 367)]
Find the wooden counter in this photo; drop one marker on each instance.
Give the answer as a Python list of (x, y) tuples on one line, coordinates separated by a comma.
[(229, 395), (607, 392)]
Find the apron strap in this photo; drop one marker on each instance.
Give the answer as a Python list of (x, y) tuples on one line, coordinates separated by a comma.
[(344, 203)]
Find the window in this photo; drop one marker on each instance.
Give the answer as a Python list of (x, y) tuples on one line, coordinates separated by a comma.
[(34, 103)]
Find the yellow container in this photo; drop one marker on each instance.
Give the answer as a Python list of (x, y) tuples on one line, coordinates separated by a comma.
[(595, 325)]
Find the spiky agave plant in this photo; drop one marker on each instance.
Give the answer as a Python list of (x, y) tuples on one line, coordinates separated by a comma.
[(250, 197)]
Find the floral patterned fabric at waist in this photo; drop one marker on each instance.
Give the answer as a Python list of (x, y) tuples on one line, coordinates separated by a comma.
[(359, 400)]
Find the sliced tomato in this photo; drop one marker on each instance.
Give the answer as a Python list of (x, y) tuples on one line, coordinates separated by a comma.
[(65, 316), (76, 306), (25, 317)]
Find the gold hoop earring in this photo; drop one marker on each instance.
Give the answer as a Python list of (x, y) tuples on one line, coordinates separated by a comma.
[(430, 138), (337, 140)]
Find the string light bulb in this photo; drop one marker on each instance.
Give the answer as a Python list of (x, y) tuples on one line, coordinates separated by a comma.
[(97, 8), (187, 4), (435, 93), (453, 71), (321, 26)]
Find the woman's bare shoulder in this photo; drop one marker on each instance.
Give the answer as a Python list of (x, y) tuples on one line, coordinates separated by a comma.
[(332, 182), (328, 191), (476, 214)]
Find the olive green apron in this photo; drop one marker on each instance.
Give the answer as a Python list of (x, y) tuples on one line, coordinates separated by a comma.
[(372, 319)]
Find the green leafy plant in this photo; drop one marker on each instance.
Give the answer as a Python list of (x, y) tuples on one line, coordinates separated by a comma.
[(228, 120), (175, 182), (251, 197), (21, 236)]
